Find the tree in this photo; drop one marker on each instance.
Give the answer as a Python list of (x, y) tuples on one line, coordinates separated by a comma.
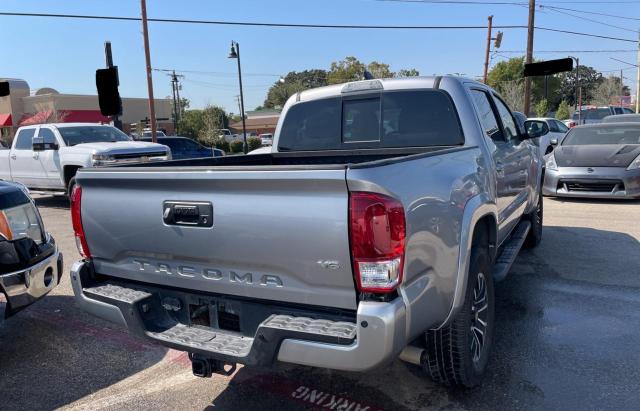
[(590, 78), (349, 69), (542, 108), (292, 83), (513, 94), (564, 111), (380, 70), (407, 73), (214, 118), (512, 70), (608, 91), (191, 123)]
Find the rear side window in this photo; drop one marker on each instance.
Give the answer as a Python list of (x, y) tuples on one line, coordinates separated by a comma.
[(597, 113), (415, 118), (24, 139), (486, 114), (420, 119)]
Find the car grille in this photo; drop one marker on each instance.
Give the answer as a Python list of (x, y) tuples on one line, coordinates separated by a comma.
[(130, 156), (599, 186)]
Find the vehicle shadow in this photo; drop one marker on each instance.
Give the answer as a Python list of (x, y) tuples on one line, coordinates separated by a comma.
[(52, 354), (59, 202)]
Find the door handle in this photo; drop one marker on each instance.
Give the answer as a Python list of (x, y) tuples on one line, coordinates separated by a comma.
[(13, 156), (36, 156)]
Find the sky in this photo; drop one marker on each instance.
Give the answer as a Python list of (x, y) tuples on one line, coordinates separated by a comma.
[(64, 53)]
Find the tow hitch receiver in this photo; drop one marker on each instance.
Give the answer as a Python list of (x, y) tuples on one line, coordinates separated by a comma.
[(205, 367)]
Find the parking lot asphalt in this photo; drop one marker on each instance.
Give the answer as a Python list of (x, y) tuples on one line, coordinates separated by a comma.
[(567, 337)]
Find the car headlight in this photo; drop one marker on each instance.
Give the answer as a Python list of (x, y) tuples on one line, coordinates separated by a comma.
[(550, 162), (635, 164), (21, 222), (97, 159)]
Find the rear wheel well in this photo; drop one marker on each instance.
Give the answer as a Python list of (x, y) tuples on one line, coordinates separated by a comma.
[(485, 234), (69, 173)]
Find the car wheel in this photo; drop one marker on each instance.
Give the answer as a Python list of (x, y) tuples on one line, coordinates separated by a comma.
[(535, 217), (458, 353), (70, 186)]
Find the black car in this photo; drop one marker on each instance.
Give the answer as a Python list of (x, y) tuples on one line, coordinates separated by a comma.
[(184, 148), (30, 263)]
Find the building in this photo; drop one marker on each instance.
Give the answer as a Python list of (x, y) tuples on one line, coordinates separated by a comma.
[(46, 105), (258, 122)]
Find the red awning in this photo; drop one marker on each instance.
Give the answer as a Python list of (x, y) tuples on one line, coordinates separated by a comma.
[(64, 116), (35, 118), (5, 120)]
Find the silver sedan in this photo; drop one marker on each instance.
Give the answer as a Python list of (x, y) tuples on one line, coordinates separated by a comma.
[(596, 160)]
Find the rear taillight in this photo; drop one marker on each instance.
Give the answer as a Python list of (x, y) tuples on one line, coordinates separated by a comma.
[(377, 229), (76, 220)]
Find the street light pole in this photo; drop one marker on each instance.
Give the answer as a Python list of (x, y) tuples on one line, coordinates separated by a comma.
[(488, 50), (578, 101), (235, 54), (529, 55)]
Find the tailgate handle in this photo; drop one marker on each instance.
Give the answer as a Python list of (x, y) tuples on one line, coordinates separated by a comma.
[(188, 213)]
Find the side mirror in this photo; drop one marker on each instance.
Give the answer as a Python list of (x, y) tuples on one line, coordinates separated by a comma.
[(536, 128), (554, 142), (37, 143)]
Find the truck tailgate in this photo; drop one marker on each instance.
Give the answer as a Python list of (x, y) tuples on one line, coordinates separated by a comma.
[(278, 235)]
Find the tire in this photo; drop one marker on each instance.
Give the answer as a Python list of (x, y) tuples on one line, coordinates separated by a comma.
[(536, 218), (458, 354), (70, 186)]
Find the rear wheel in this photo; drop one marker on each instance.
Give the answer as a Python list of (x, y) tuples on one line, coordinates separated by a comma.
[(458, 353), (535, 217)]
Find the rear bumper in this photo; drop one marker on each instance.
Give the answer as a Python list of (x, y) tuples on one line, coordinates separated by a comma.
[(26, 286), (624, 184), (376, 336)]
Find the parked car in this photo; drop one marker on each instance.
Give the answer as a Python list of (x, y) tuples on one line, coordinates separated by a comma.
[(30, 262), (622, 118), (369, 243), (594, 115), (46, 157), (183, 148), (266, 139), (548, 130), (596, 160), (147, 133)]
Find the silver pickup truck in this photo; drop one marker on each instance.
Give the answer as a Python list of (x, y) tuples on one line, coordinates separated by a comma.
[(375, 229)]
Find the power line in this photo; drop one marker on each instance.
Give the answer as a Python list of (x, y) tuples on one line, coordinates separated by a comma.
[(296, 25), (592, 12), (256, 24), (622, 61), (577, 33), (588, 19), (217, 73), (570, 51), (517, 3)]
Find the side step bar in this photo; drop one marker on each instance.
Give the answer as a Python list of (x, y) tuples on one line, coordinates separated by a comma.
[(510, 251)]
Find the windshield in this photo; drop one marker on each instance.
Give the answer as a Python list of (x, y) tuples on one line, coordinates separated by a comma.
[(627, 134), (91, 134)]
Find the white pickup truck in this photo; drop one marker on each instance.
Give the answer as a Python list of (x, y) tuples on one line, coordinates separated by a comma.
[(46, 157)]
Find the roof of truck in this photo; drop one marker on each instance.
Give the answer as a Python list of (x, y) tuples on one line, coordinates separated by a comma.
[(385, 84), (65, 125)]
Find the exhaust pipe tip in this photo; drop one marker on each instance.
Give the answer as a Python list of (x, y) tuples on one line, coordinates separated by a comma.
[(412, 355)]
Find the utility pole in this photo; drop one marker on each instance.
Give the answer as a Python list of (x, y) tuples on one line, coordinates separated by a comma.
[(488, 50), (147, 55), (174, 81), (109, 61), (529, 56), (621, 86), (638, 77)]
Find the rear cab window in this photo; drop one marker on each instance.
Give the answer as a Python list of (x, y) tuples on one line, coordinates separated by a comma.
[(407, 118)]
